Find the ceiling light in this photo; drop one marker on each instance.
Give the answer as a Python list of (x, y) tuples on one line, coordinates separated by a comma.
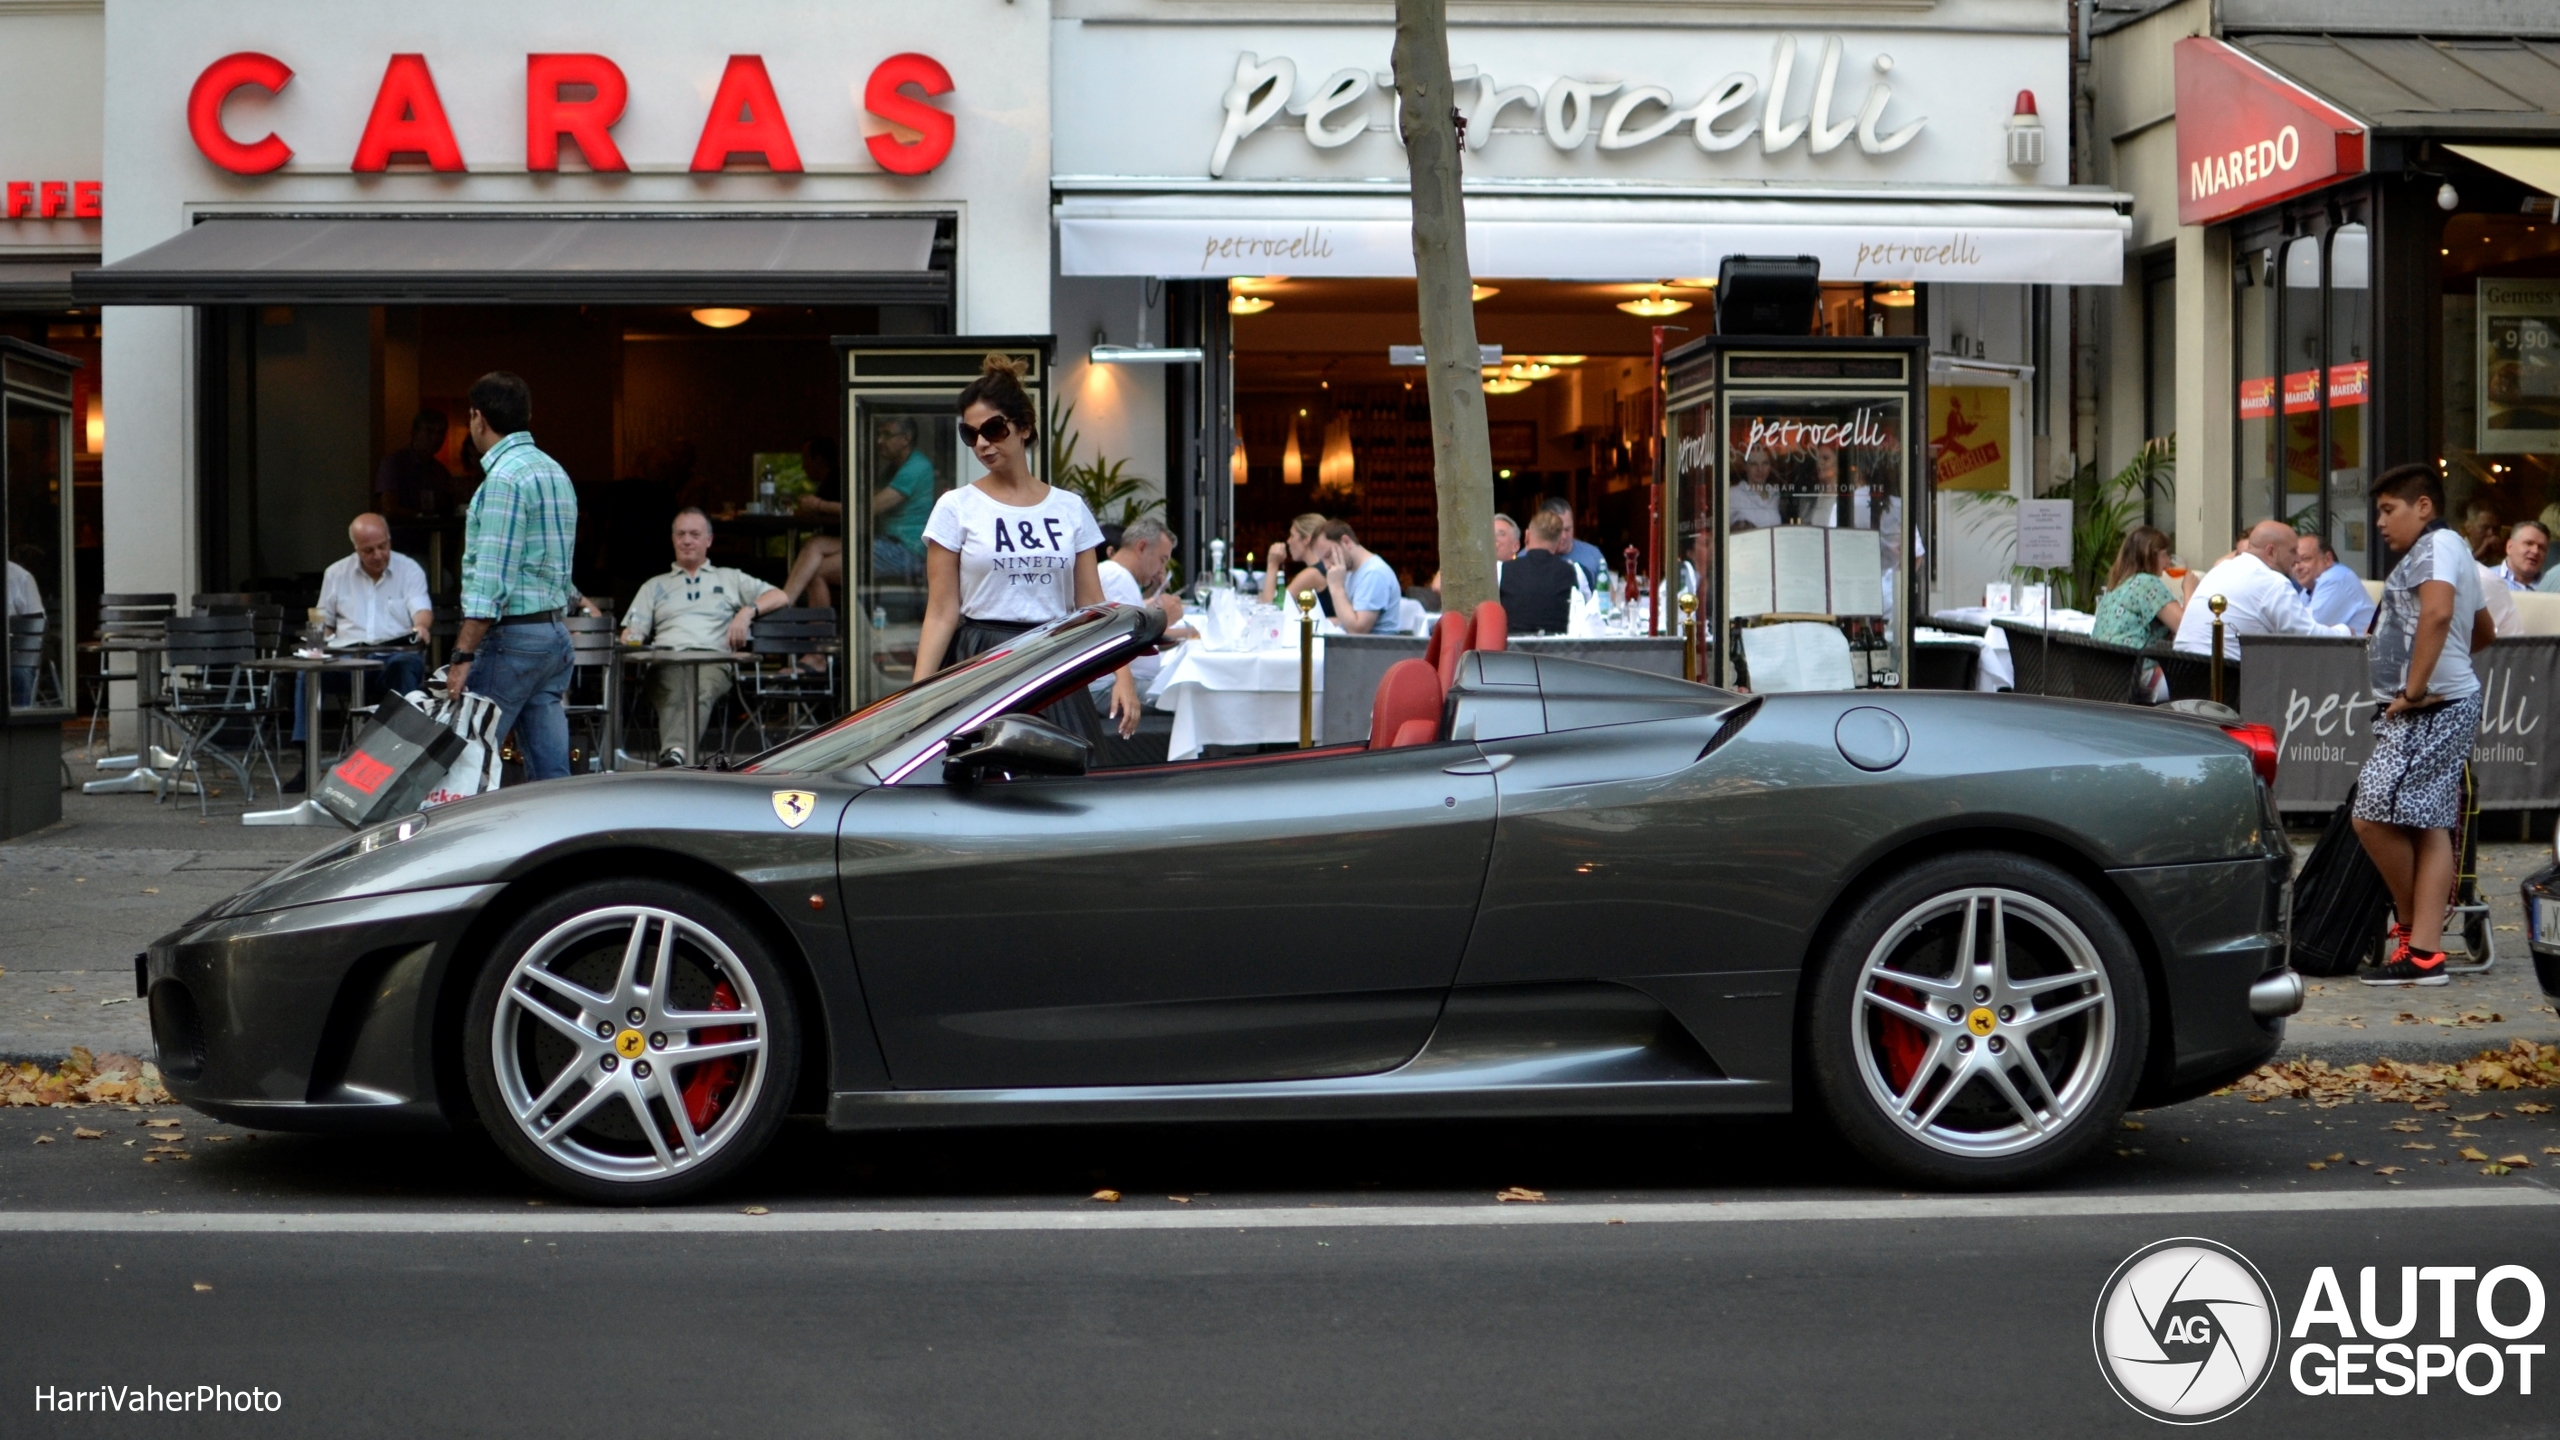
[(1143, 355), (1695, 282), (1486, 292), (1242, 284), (1559, 359), (721, 317), (1901, 299), (1504, 386), (1654, 303), (1530, 370), (1248, 304)]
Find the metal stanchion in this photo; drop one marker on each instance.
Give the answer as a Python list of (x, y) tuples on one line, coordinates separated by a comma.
[(2216, 605), (1306, 669), (1688, 636)]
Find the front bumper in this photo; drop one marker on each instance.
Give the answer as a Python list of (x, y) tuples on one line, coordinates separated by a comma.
[(316, 1017), (2542, 926)]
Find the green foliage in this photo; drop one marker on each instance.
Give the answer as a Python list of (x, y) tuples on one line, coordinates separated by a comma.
[(1103, 483)]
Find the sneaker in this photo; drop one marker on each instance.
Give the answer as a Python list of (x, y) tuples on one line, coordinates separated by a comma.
[(2407, 966)]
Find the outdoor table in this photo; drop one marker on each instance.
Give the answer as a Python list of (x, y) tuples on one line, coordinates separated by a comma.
[(1233, 697), (142, 779), (692, 660), (310, 811), (1994, 672)]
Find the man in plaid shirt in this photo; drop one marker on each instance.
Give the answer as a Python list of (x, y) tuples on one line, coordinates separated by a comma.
[(516, 548)]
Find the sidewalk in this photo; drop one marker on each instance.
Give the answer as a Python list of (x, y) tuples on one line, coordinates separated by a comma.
[(79, 898)]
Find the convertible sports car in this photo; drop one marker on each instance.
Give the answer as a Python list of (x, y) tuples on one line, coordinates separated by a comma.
[(1968, 929)]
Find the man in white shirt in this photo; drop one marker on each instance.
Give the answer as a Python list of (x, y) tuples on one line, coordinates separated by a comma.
[(25, 598), (1136, 567), (373, 604), (2256, 584), (2528, 546), (694, 606), (2337, 596)]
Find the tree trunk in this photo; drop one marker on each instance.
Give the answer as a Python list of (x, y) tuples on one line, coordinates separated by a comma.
[(1461, 456)]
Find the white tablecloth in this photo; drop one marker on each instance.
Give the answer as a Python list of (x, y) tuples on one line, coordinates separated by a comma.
[(1994, 671), (1233, 697)]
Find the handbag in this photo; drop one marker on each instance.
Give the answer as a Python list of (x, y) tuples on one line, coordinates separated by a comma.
[(2339, 901), (393, 763)]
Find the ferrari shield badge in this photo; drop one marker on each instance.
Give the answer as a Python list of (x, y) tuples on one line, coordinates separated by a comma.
[(792, 807)]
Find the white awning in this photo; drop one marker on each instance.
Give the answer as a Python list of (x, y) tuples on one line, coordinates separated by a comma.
[(1594, 237)]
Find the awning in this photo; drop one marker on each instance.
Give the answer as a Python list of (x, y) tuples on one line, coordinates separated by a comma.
[(2535, 165), (45, 282), (1594, 238), (448, 259), (2413, 85)]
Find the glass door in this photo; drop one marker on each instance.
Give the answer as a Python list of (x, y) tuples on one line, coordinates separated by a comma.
[(35, 534), (902, 452)]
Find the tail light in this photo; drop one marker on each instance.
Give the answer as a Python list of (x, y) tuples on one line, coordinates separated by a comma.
[(2261, 740)]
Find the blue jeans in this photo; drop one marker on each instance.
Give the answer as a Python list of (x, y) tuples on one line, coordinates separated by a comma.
[(525, 668), (22, 685), (403, 670)]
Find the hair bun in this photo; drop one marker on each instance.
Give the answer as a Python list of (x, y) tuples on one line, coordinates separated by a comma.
[(999, 364)]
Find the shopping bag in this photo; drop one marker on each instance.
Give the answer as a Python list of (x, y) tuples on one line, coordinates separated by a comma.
[(402, 753), (474, 771), (2339, 901)]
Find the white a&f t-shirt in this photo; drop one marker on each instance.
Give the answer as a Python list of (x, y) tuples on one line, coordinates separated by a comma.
[(1017, 562)]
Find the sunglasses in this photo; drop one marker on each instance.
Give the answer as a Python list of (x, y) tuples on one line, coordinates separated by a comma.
[(995, 432)]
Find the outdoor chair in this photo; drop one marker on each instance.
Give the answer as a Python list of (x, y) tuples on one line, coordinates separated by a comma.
[(216, 701), (778, 686), (128, 615), (591, 656)]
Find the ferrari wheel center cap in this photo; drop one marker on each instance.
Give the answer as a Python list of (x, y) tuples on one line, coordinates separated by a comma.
[(630, 1044), (1982, 1021)]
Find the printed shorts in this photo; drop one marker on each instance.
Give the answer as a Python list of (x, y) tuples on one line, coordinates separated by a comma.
[(2414, 775)]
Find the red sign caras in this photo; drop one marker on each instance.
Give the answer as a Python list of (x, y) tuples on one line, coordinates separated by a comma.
[(2248, 137)]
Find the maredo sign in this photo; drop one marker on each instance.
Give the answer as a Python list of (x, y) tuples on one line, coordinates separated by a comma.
[(2248, 137), (572, 102)]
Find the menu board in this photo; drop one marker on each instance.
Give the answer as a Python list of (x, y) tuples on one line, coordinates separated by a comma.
[(2519, 374), (1805, 570)]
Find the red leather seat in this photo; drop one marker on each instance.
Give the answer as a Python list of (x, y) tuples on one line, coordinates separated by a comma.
[(1449, 640), (1493, 627), (1407, 708)]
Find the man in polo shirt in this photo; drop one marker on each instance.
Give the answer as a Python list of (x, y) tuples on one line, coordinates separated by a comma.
[(1361, 585), (694, 606), (373, 604), (517, 540)]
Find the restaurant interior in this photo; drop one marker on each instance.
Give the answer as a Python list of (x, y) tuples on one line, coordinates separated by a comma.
[(1327, 422)]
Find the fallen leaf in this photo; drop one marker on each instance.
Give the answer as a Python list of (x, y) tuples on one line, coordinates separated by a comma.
[(2408, 1127), (2469, 1153), (165, 1120), (217, 1139), (2341, 1155), (2515, 1159), (1179, 1199), (1108, 1197), (2389, 1169), (752, 1209), (2317, 1165), (1523, 1195), (81, 1132), (2133, 1124), (2475, 1119), (44, 1139), (2530, 1108), (2493, 1169), (2417, 1145), (1613, 1222), (119, 1000), (2364, 1162), (203, 1289), (164, 1150)]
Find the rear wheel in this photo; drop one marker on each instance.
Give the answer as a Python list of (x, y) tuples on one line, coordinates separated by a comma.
[(631, 1042), (1979, 1020)]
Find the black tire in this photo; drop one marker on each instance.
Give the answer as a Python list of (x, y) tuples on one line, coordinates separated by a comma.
[(1961, 1129), (660, 1127)]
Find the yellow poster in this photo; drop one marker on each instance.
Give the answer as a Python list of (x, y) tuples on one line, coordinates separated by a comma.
[(1969, 436)]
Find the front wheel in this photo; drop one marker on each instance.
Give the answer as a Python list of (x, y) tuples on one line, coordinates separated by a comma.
[(1979, 1020), (631, 1042)]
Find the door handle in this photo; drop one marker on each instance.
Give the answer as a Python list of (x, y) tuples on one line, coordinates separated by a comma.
[(1481, 765)]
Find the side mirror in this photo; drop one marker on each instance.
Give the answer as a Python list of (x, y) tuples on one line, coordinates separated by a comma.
[(1012, 746)]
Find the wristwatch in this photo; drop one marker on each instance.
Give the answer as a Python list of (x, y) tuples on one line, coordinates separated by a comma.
[(461, 657)]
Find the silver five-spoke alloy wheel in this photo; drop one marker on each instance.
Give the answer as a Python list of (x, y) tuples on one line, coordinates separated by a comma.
[(630, 1044), (1984, 1022)]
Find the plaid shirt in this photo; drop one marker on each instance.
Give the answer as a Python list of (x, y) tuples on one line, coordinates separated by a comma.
[(523, 527)]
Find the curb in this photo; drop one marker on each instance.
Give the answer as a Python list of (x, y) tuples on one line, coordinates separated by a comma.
[(2358, 1047)]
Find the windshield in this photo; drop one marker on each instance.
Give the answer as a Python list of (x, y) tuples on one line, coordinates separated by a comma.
[(947, 697)]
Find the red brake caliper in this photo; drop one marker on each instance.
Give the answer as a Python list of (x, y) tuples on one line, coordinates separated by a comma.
[(1905, 1044), (707, 1089)]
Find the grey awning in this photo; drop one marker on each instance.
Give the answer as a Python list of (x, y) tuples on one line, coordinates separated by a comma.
[(44, 282), (2412, 85), (654, 260)]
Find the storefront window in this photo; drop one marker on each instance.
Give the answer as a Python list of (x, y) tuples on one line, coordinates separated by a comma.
[(2254, 432), (35, 481), (2502, 375), (2299, 362), (2350, 383)]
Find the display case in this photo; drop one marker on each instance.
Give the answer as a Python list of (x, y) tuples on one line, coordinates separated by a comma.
[(1789, 470)]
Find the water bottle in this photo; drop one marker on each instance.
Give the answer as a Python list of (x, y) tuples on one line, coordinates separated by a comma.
[(764, 492), (1600, 597), (879, 617), (1219, 579)]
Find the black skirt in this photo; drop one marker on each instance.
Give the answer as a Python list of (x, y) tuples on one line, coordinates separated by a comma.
[(1073, 712)]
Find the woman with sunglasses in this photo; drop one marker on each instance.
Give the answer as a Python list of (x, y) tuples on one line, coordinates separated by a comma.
[(1010, 552)]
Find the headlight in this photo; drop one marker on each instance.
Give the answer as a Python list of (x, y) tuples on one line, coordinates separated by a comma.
[(365, 842), (2545, 915)]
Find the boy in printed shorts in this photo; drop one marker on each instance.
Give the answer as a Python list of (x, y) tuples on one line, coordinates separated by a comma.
[(2409, 794)]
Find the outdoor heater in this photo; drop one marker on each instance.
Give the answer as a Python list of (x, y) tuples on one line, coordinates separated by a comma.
[(1792, 461)]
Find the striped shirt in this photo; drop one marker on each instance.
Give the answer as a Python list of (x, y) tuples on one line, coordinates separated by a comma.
[(517, 543)]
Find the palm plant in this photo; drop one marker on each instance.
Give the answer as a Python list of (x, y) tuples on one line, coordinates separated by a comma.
[(2102, 510), (1102, 483)]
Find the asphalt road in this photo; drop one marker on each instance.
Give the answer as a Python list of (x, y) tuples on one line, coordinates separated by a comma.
[(1315, 1280)]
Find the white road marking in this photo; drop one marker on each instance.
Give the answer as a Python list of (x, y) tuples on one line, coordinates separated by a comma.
[(564, 1220)]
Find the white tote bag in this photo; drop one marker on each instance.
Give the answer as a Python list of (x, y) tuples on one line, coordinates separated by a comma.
[(475, 719)]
